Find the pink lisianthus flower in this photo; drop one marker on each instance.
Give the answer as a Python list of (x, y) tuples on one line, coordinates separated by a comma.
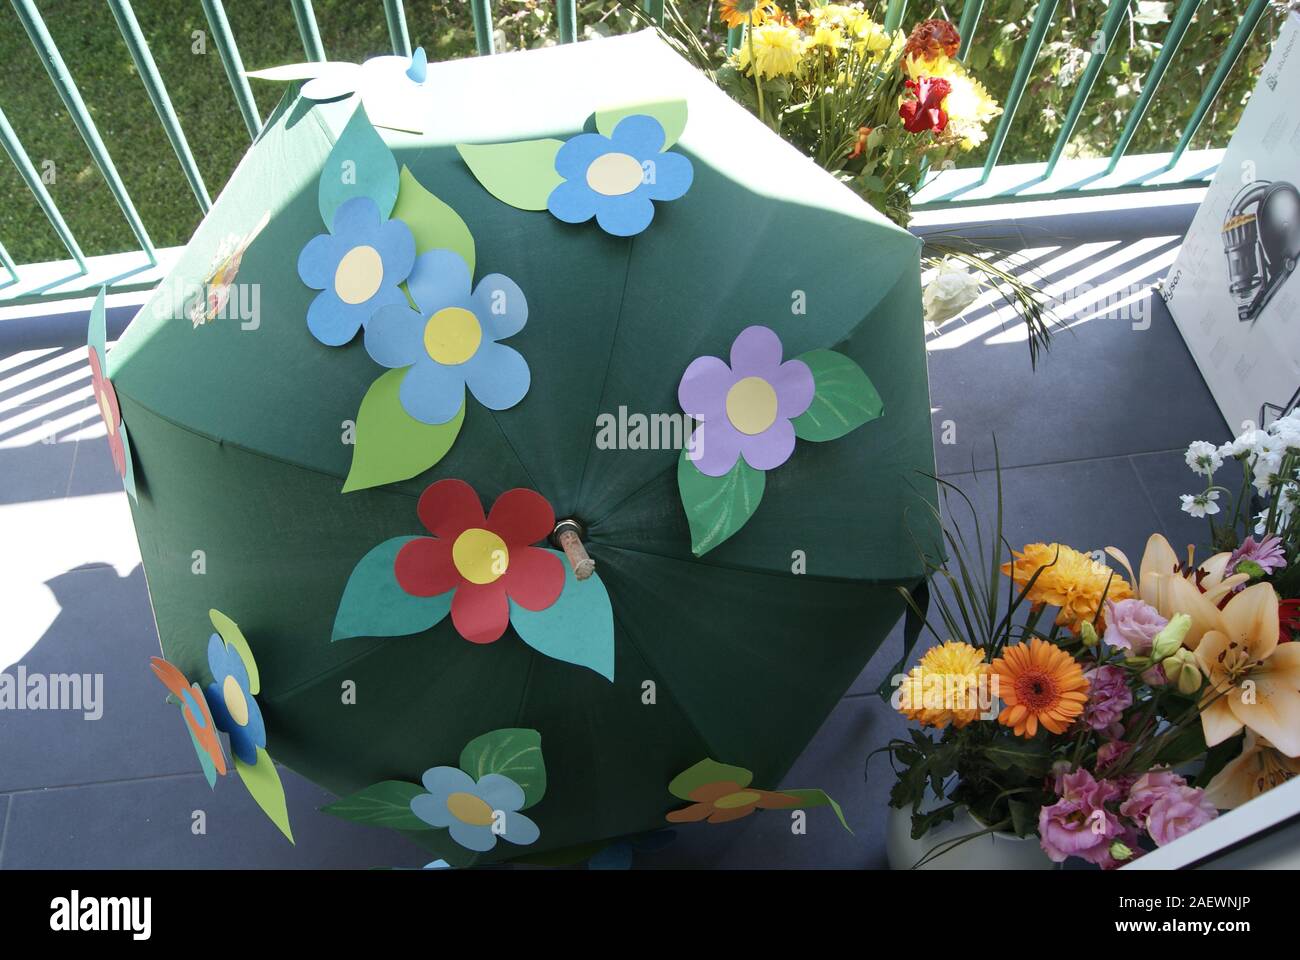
[(1149, 788), (1109, 754), (1072, 828), (1108, 698), (1178, 811), (1132, 625)]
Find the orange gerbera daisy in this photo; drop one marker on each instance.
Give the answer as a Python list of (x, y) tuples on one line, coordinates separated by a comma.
[(736, 13), (1039, 683)]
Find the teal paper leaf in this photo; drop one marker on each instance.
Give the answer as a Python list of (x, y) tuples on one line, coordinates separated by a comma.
[(844, 399), (205, 761), (359, 165), (818, 798), (128, 479), (392, 445), (96, 333), (521, 174), (671, 115), (386, 804), (434, 224), (716, 507), (577, 628), (513, 752), (705, 772), (374, 605)]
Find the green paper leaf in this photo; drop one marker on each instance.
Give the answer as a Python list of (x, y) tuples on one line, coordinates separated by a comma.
[(671, 115), (392, 445), (512, 752), (577, 628), (434, 224), (263, 783), (844, 400), (374, 605), (818, 798), (230, 632), (521, 174), (716, 507), (707, 771), (359, 165), (386, 804)]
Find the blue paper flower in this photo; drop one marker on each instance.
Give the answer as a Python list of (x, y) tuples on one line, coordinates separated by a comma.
[(474, 812), (616, 178), (357, 266), (450, 342), (234, 711)]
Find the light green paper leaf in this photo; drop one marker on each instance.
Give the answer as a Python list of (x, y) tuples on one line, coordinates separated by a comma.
[(392, 445), (818, 798), (577, 628), (521, 174), (844, 400), (359, 165), (263, 783), (434, 224), (513, 752), (230, 632), (374, 605), (716, 507), (671, 115), (707, 771), (386, 804)]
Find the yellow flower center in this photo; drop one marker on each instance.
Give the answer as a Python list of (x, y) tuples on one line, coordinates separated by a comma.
[(104, 412), (751, 405), (452, 335), (614, 174), (468, 808), (236, 705), (480, 555), (358, 275), (741, 798)]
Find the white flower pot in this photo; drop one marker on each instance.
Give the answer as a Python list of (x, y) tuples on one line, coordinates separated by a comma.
[(992, 851)]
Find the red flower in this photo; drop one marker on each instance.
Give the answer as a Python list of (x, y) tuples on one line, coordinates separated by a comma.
[(488, 562), (1288, 613), (926, 111), (106, 399)]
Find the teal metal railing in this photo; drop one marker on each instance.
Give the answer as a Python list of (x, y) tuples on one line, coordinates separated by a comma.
[(566, 13)]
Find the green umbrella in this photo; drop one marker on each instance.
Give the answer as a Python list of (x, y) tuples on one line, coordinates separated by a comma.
[(242, 430)]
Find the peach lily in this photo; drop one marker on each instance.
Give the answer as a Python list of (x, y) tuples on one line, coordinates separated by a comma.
[(1259, 768)]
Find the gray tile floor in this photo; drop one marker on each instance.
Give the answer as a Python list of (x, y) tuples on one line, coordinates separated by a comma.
[(1091, 447)]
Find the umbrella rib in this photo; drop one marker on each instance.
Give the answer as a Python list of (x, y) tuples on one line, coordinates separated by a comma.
[(818, 578), (614, 509)]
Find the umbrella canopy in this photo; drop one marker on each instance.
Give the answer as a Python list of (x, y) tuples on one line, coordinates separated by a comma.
[(240, 431)]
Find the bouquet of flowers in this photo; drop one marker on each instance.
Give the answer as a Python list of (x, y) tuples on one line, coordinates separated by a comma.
[(1153, 698)]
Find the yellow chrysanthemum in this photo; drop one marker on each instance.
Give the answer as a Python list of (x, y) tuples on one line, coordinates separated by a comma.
[(870, 37), (828, 36), (945, 687), (1070, 580), (777, 50)]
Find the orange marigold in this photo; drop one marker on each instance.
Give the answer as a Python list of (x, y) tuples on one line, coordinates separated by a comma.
[(1040, 684), (933, 38), (1072, 581)]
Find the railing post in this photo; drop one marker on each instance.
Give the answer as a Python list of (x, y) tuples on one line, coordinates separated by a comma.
[(395, 14), (27, 171), (482, 12), (157, 90), (970, 17), (11, 268), (1173, 38), (225, 41), (305, 17), (1249, 20), (735, 35), (566, 17), (1033, 44), (76, 107), (654, 9), (894, 15), (1096, 60)]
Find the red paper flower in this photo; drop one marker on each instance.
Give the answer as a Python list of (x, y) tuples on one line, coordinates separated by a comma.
[(487, 561), (106, 398), (926, 111)]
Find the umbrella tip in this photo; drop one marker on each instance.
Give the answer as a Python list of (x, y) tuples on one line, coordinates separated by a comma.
[(568, 537)]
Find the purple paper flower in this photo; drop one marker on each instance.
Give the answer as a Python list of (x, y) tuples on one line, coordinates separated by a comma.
[(1132, 625), (745, 408), (1177, 811), (1108, 698), (1267, 553)]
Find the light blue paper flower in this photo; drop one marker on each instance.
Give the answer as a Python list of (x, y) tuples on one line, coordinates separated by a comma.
[(450, 341), (357, 266), (234, 710), (470, 810), (616, 178)]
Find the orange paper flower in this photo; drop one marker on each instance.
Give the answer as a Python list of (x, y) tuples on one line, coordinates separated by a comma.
[(727, 800), (1040, 684)]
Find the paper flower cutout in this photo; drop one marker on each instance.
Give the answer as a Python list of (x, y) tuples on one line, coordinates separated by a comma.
[(500, 773), (616, 178), (750, 413), (198, 718), (485, 572), (475, 814), (720, 792), (230, 697), (486, 561), (450, 341), (746, 409), (387, 86), (357, 266), (119, 442), (614, 175), (221, 277)]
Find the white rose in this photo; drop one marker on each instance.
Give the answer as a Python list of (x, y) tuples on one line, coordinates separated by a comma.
[(950, 292)]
